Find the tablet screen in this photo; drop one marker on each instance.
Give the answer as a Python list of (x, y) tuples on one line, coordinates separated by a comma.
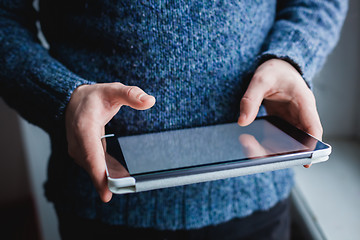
[(205, 146)]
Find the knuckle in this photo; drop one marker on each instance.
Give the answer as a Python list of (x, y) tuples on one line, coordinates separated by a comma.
[(133, 91), (247, 98), (258, 78), (79, 126), (262, 80)]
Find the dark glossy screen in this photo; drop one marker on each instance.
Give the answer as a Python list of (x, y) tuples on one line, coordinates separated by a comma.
[(205, 145)]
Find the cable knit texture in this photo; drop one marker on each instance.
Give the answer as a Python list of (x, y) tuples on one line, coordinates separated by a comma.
[(195, 57)]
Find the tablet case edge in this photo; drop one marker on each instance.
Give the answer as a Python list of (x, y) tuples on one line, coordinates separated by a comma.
[(210, 176), (129, 184)]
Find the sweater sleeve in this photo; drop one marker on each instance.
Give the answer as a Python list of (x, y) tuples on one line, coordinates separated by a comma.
[(36, 85), (304, 33)]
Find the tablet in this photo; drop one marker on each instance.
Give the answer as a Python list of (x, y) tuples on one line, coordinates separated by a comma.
[(179, 157)]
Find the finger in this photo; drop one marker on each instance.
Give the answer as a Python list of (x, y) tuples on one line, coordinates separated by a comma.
[(251, 101), (94, 163), (309, 120), (131, 96), (312, 126)]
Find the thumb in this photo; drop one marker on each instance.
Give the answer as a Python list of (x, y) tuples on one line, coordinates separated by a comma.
[(132, 96), (250, 102)]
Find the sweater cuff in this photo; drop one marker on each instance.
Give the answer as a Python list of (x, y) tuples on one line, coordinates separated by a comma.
[(74, 82), (294, 49), (267, 56)]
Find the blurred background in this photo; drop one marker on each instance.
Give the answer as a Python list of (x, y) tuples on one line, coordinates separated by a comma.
[(326, 196)]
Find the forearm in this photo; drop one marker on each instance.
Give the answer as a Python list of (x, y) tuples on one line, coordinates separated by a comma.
[(304, 33), (31, 81)]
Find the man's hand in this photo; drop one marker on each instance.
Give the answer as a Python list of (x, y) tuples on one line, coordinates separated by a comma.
[(90, 108), (284, 93)]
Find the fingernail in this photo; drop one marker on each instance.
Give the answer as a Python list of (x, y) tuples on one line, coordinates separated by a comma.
[(144, 97), (242, 117)]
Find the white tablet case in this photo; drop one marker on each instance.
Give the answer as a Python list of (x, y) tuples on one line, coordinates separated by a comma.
[(129, 184)]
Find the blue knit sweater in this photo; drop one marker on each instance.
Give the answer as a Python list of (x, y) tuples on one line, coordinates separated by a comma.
[(195, 57)]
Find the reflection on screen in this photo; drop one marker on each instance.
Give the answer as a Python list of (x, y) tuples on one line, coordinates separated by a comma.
[(199, 146)]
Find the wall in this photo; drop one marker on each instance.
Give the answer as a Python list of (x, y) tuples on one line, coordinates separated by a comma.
[(337, 86), (37, 149), (14, 181)]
